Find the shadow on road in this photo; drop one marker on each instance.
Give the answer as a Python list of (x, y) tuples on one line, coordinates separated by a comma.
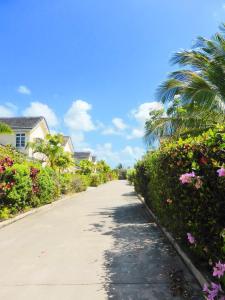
[(141, 264)]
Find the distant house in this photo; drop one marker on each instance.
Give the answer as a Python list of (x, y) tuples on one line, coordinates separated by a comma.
[(84, 155), (26, 129), (68, 144)]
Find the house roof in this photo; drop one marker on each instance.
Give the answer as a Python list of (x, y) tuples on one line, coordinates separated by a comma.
[(65, 139), (22, 122), (82, 155)]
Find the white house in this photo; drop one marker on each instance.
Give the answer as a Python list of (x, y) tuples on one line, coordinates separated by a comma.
[(68, 144), (28, 129), (84, 155), (25, 129)]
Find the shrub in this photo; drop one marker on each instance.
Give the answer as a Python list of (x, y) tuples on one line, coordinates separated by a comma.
[(79, 183), (181, 183), (16, 187), (95, 180), (122, 174), (131, 173), (47, 186)]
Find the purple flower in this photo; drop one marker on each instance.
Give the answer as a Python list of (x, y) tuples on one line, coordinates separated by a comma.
[(219, 270), (213, 292), (187, 177), (221, 172), (191, 238)]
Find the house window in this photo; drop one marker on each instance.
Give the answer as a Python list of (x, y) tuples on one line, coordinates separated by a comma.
[(20, 140)]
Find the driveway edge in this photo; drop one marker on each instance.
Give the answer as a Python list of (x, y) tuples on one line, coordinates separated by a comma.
[(35, 210), (196, 273)]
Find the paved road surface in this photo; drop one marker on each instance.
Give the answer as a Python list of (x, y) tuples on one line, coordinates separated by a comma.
[(97, 245)]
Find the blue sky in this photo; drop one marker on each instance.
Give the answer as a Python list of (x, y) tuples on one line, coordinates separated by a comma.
[(91, 67)]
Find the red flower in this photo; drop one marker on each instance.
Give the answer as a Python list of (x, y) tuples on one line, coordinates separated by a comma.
[(203, 160)]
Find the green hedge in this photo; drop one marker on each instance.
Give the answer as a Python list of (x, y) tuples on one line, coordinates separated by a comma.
[(28, 184), (195, 208)]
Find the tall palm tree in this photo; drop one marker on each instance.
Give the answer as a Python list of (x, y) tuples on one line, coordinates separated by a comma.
[(201, 81), (200, 87), (5, 129)]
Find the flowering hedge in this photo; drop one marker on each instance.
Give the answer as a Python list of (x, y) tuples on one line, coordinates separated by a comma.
[(27, 184), (184, 184)]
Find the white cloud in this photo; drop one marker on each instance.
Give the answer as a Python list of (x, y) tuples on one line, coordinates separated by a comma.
[(118, 127), (23, 89), (78, 118), (41, 109), (141, 115), (127, 156), (119, 123), (136, 133), (8, 110)]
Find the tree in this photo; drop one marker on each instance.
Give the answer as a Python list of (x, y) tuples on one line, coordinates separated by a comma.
[(199, 87), (5, 129), (86, 167), (52, 149), (179, 121)]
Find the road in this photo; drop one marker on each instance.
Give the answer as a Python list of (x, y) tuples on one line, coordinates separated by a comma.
[(96, 245)]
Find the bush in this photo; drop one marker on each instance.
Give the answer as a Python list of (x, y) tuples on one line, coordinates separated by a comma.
[(47, 187), (79, 183), (131, 173), (196, 206), (122, 174), (16, 187), (95, 180)]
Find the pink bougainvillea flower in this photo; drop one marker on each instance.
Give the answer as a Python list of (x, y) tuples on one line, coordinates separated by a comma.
[(187, 177), (219, 270), (221, 172), (191, 238), (212, 293)]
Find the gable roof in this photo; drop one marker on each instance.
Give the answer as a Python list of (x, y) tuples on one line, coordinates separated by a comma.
[(82, 155), (67, 139), (22, 122)]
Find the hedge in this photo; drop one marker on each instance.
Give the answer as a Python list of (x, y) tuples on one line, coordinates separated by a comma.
[(184, 184)]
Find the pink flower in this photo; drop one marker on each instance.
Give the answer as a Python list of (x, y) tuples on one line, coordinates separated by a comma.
[(221, 172), (219, 270), (187, 177), (191, 238), (213, 292)]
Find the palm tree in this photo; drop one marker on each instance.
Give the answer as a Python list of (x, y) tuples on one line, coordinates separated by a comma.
[(194, 95), (180, 121), (53, 152), (5, 129), (201, 81)]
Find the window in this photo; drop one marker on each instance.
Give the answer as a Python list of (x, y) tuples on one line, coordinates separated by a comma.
[(20, 140)]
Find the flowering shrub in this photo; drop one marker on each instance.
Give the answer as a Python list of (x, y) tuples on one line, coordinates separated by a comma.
[(183, 182)]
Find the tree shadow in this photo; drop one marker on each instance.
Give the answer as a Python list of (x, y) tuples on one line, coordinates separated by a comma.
[(141, 263)]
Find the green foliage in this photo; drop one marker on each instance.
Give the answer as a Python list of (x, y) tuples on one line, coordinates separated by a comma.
[(53, 152), (86, 167), (95, 180), (131, 175), (197, 207), (25, 184), (47, 187), (16, 186), (5, 129), (79, 183), (195, 92)]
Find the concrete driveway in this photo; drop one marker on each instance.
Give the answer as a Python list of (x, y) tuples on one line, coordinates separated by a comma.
[(99, 244)]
